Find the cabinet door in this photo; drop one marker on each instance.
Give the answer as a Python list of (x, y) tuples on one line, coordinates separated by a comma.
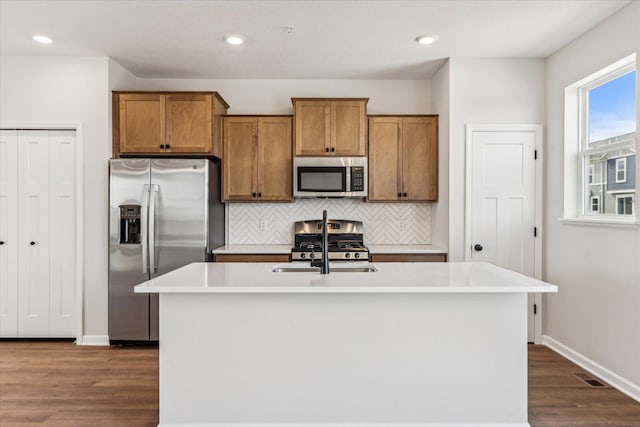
[(420, 159), (313, 130), (8, 233), (240, 158), (348, 128), (142, 123), (385, 158), (33, 234), (275, 159), (189, 124)]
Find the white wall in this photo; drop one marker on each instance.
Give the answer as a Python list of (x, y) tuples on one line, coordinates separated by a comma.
[(71, 89), (596, 312), (441, 105), (274, 96), (486, 91), (78, 89)]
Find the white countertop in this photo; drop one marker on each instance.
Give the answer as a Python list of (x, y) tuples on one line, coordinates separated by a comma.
[(405, 249), (286, 249), (454, 277), (253, 249)]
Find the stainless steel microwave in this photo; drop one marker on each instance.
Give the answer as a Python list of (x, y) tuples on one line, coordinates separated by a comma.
[(330, 177)]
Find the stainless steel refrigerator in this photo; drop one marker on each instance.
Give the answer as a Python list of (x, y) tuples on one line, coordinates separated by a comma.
[(163, 214)]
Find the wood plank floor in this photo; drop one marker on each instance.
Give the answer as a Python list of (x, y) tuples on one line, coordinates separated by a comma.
[(61, 384)]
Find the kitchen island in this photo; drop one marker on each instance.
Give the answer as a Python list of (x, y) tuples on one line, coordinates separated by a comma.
[(412, 343)]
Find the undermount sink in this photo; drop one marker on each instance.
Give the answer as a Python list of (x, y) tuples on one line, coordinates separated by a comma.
[(305, 268)]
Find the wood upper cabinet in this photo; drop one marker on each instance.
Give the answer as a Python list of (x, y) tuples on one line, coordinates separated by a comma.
[(403, 158), (141, 122), (257, 163), (330, 126), (167, 123), (188, 121)]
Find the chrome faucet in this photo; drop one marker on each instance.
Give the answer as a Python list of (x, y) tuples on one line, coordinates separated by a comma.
[(324, 262)]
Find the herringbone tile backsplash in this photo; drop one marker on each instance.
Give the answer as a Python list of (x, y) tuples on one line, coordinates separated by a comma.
[(384, 223)]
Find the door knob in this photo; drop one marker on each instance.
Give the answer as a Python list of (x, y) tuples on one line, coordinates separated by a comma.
[(1, 242), (477, 247), (32, 243)]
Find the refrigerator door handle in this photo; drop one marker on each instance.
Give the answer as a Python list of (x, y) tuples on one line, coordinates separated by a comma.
[(143, 226), (152, 229)]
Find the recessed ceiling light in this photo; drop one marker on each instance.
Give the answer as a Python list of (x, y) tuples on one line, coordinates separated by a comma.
[(234, 38), (427, 39), (42, 39)]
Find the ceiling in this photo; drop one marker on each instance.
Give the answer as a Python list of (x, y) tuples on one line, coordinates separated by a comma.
[(351, 39)]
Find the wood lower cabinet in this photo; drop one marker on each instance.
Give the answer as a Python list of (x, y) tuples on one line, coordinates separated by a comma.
[(258, 159), (403, 158), (330, 126), (167, 123), (411, 257), (251, 257)]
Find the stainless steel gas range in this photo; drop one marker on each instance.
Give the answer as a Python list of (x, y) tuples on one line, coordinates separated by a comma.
[(345, 241)]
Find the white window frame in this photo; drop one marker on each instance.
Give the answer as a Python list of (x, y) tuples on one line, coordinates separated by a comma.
[(597, 200), (623, 162), (624, 196), (591, 173), (577, 151)]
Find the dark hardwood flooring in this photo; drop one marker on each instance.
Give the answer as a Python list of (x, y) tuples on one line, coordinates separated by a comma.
[(61, 384)]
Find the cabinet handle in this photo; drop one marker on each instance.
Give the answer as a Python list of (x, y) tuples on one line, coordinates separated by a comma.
[(333, 149), (253, 194), (404, 195), (326, 149), (168, 146), (32, 243), (259, 194), (399, 194), (1, 242), (161, 145)]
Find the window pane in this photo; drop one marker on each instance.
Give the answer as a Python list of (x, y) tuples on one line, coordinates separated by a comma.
[(612, 108), (625, 205), (605, 184)]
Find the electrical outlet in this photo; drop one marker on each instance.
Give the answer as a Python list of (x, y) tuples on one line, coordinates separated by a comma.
[(262, 224), (402, 225)]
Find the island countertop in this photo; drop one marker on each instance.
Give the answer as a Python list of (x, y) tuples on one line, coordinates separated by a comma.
[(453, 277)]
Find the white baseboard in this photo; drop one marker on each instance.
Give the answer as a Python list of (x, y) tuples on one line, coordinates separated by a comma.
[(94, 340), (348, 425), (614, 380)]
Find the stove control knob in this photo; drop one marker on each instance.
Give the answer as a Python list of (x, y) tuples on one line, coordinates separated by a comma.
[(357, 255), (303, 255), (347, 255)]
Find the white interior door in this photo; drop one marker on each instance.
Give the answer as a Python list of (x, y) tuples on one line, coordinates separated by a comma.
[(8, 233), (501, 200), (33, 233), (62, 291)]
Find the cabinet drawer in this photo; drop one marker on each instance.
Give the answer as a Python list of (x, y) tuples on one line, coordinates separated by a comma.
[(408, 257), (251, 257)]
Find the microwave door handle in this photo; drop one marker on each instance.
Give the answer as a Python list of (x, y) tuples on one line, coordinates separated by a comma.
[(144, 215), (152, 229)]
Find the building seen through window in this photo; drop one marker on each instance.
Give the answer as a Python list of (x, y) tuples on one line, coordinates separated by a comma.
[(608, 154)]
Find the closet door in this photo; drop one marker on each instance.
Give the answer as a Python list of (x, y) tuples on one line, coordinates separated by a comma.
[(33, 233), (62, 226), (8, 233)]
